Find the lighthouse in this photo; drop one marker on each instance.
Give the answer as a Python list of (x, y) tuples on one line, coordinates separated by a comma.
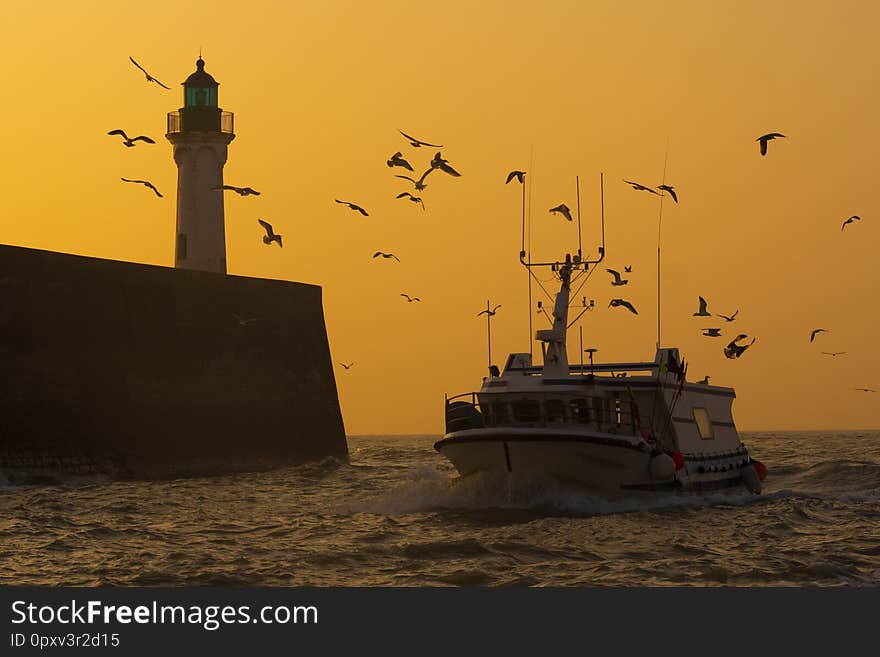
[(200, 133)]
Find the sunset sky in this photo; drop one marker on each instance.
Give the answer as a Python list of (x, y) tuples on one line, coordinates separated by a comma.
[(560, 89)]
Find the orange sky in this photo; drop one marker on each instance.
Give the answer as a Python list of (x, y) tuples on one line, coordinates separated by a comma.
[(561, 89)]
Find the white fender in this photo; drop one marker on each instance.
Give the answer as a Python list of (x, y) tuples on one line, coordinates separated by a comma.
[(662, 467)]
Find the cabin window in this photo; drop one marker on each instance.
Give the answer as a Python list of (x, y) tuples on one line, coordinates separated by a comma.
[(555, 411), (704, 423), (526, 411), (618, 414), (579, 410), (499, 413)]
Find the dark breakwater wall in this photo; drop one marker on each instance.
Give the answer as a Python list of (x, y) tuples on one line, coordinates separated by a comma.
[(151, 371)]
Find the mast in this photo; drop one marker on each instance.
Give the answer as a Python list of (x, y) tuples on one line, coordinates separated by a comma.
[(553, 340)]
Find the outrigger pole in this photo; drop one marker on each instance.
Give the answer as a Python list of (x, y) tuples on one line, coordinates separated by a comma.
[(489, 334), (659, 225), (522, 253), (577, 185)]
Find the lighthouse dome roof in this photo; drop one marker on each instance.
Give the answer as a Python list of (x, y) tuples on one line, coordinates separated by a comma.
[(200, 78)]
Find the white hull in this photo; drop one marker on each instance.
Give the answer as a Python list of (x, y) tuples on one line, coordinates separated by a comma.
[(609, 463)]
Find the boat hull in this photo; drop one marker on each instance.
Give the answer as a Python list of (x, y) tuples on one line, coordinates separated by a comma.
[(605, 462)]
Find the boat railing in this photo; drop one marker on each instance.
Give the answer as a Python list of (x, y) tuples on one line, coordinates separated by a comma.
[(575, 368), (607, 414)]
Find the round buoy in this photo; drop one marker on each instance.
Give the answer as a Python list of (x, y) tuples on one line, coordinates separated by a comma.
[(751, 479), (662, 467)]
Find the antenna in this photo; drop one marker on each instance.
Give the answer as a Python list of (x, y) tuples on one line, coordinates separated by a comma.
[(577, 184), (528, 269), (581, 332), (602, 201), (659, 225)]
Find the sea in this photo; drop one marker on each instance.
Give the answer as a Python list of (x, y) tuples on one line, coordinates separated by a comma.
[(397, 514)]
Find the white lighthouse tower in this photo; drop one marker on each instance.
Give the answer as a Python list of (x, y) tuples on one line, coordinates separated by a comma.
[(200, 132)]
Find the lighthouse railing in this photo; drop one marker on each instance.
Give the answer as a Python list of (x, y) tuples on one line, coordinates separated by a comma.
[(175, 122)]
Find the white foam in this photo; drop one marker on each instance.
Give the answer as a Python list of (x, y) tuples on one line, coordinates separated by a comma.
[(428, 489)]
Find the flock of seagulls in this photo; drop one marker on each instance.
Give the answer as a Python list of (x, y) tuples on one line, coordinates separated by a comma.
[(398, 160), (129, 142), (733, 349), (736, 347)]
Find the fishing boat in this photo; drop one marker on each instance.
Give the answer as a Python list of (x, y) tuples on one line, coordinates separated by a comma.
[(619, 428)]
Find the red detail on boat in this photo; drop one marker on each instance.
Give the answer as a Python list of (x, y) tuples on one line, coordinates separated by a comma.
[(678, 459), (760, 468)]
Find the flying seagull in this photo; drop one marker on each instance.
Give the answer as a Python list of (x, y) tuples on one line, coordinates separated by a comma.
[(397, 160), (833, 353), (712, 332), (420, 183), (624, 303), (562, 209), (865, 389), (130, 142), (437, 162), (353, 206), (418, 143), (734, 350), (617, 279), (765, 138), (702, 312), (853, 218), (730, 318), (146, 183), (347, 366), (519, 175), (490, 313), (671, 190), (627, 269), (815, 332), (241, 191), (150, 78), (270, 236), (385, 255), (414, 199), (638, 187), (409, 298)]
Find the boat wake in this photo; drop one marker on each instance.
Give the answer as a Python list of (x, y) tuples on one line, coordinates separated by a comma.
[(428, 489), (431, 490)]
